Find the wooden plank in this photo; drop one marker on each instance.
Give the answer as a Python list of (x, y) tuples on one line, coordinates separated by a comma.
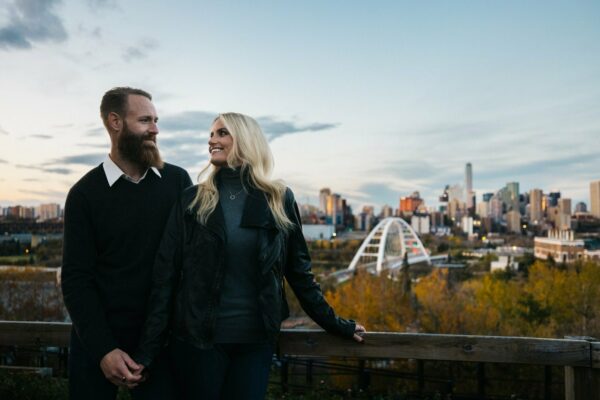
[(595, 354), (582, 383), (43, 334), (518, 350), (42, 371)]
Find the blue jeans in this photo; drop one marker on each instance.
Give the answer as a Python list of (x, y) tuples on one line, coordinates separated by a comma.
[(226, 371)]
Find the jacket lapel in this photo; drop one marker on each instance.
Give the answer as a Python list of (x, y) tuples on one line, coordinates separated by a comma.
[(216, 222), (257, 213)]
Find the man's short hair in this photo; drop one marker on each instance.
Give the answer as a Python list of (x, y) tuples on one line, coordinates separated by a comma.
[(115, 100)]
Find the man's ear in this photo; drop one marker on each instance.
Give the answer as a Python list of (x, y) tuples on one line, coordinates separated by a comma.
[(114, 122)]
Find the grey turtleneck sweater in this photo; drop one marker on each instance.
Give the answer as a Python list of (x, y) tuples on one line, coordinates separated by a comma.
[(238, 319)]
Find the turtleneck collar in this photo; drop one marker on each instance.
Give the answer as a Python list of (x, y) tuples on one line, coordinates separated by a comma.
[(230, 173)]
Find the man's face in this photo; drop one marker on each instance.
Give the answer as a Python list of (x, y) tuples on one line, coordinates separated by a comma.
[(137, 141)]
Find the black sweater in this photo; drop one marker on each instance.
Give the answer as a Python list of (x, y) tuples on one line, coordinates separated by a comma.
[(110, 239)]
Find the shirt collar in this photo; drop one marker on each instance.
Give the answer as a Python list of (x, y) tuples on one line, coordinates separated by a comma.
[(113, 172)]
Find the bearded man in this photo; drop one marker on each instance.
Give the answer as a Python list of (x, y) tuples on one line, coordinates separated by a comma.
[(114, 219)]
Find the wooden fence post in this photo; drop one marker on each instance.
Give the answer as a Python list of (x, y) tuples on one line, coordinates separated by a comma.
[(583, 383)]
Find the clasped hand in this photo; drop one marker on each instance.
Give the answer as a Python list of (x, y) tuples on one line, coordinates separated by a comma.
[(121, 370)]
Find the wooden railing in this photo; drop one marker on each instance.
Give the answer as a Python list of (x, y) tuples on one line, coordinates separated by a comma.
[(579, 356)]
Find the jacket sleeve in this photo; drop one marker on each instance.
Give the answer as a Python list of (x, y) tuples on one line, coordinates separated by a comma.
[(78, 279), (297, 271), (165, 277)]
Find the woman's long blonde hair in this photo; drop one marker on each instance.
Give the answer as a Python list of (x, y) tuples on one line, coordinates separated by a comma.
[(251, 152)]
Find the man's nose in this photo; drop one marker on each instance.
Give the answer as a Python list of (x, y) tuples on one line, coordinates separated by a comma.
[(154, 128)]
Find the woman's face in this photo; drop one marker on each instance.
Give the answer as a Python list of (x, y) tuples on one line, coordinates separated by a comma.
[(220, 143)]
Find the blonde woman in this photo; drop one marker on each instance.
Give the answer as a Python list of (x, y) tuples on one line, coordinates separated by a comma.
[(218, 277)]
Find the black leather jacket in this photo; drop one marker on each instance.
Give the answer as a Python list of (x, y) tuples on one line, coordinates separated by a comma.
[(189, 270)]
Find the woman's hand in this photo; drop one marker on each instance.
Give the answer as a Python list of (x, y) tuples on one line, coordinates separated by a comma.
[(358, 331)]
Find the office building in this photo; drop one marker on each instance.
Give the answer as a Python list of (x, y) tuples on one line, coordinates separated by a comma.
[(536, 212)]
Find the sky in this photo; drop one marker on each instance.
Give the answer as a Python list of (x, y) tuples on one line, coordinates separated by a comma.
[(373, 99)]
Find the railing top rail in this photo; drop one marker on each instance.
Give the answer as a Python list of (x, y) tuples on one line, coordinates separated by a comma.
[(382, 345), (494, 349)]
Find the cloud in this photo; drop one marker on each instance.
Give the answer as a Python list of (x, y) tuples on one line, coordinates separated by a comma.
[(40, 136), (188, 121), (102, 4), (53, 170), (46, 194), (63, 126), (139, 52), (275, 128), (3, 161), (32, 21), (91, 159), (95, 131), (3, 131)]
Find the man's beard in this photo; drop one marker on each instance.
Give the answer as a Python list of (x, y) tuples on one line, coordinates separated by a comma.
[(132, 147)]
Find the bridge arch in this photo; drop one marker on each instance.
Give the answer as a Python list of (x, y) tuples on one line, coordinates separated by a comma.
[(388, 243)]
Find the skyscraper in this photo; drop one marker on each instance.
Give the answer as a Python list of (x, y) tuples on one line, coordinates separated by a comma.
[(564, 206), (536, 211), (469, 177), (469, 194), (595, 198), (323, 194), (511, 196)]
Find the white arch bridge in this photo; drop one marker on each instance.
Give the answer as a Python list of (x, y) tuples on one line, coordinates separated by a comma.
[(385, 248)]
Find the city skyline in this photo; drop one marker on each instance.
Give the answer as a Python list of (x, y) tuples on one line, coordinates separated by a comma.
[(373, 101)]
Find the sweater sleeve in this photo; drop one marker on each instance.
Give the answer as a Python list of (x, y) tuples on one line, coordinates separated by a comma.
[(78, 280), (302, 281), (165, 276)]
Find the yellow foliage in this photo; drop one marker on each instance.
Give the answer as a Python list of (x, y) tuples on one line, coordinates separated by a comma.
[(549, 302), (377, 302)]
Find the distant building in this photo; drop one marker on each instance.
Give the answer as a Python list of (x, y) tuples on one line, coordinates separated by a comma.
[(316, 232), (409, 204), (436, 219), (561, 245), (483, 209), (323, 194), (466, 225), (469, 193), (387, 211), (48, 211), (595, 199), (511, 196), (504, 263), (420, 223), (365, 220), (553, 199), (564, 206), (513, 221), (580, 207), (496, 208), (536, 212)]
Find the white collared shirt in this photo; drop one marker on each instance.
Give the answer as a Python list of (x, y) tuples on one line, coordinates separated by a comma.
[(113, 172)]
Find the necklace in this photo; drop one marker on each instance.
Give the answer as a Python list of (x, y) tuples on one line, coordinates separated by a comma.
[(233, 196)]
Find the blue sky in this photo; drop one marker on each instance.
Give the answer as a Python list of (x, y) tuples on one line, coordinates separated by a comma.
[(374, 100)]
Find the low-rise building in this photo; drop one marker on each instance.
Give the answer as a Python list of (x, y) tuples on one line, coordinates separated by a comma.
[(561, 245)]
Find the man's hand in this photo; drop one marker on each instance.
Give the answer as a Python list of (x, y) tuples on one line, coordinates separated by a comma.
[(357, 333), (120, 369)]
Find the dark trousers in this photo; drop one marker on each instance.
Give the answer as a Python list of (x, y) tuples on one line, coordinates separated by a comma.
[(87, 382), (226, 371)]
